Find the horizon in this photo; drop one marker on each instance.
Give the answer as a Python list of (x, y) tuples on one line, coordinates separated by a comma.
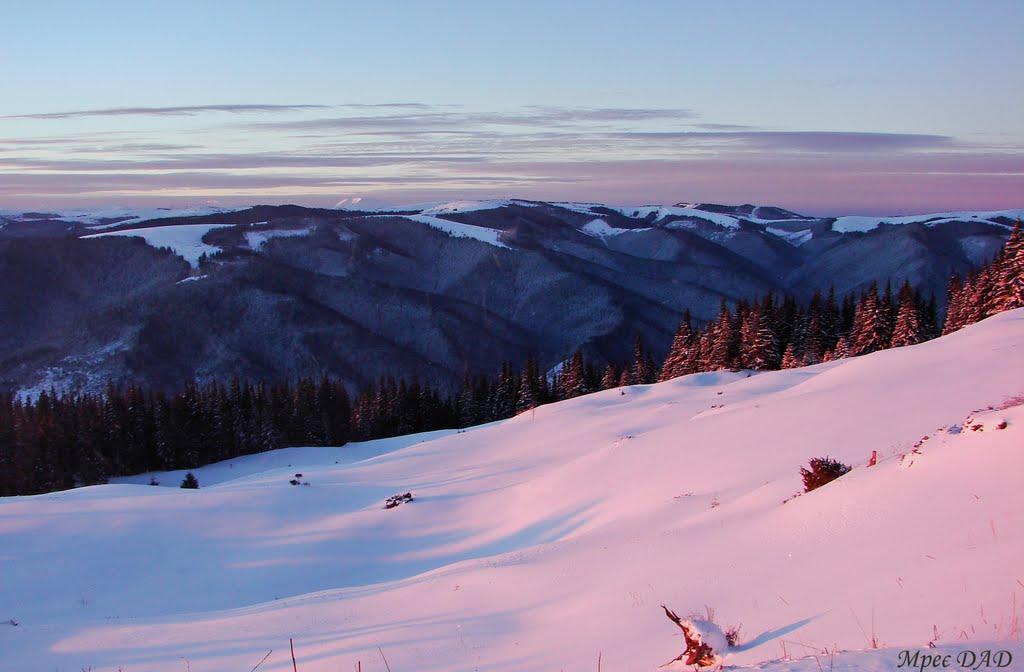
[(352, 203), (659, 103)]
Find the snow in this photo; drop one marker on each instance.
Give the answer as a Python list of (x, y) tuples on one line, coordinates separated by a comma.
[(186, 240), (473, 206), (459, 230), (281, 460), (581, 208), (892, 659), (257, 239), (538, 542), (124, 215), (795, 238), (860, 223), (599, 228), (660, 212)]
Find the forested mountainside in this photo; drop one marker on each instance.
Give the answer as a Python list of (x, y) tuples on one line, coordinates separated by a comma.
[(275, 292)]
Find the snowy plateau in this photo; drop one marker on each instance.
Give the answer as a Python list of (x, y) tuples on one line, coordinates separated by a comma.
[(545, 541)]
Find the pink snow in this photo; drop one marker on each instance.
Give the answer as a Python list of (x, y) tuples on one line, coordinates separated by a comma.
[(539, 542)]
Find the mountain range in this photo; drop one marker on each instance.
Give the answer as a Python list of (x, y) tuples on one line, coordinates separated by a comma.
[(162, 296)]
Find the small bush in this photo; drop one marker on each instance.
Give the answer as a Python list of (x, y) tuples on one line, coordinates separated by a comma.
[(190, 482), (823, 470)]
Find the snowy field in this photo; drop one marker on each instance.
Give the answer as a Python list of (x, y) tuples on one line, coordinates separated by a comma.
[(185, 240), (544, 541)]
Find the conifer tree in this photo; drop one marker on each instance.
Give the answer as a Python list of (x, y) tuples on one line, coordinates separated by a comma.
[(870, 331), (790, 359), (528, 389), (625, 379), (757, 343), (721, 337), (1008, 281), (610, 379), (572, 381), (643, 365), (908, 322), (954, 310), (842, 349), (679, 357)]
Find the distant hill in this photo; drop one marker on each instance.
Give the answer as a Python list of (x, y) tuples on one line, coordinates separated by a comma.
[(161, 296)]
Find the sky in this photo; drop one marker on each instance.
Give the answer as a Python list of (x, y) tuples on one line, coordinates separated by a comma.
[(824, 108)]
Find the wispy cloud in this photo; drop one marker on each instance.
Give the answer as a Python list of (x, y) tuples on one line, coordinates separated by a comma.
[(429, 118), (178, 110), (239, 161), (809, 141), (414, 151), (192, 110)]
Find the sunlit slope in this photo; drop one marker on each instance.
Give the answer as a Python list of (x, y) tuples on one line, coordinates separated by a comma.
[(538, 542)]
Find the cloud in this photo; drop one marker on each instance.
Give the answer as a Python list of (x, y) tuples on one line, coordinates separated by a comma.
[(192, 110), (230, 162), (807, 141), (413, 150), (434, 119), (180, 110)]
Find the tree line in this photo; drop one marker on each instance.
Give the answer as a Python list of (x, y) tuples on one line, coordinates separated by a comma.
[(62, 440)]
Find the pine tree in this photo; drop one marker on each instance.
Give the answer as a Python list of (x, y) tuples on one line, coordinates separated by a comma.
[(757, 343), (528, 390), (643, 365), (870, 332), (610, 379), (1009, 277), (954, 299), (790, 359), (190, 482), (721, 341), (679, 359), (572, 381), (625, 378), (842, 349), (908, 322)]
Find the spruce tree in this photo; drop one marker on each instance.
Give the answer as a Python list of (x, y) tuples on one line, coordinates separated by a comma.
[(679, 357), (869, 325), (572, 381), (610, 379), (954, 299), (721, 341), (790, 359), (908, 322), (643, 365), (1009, 277), (528, 392), (757, 343)]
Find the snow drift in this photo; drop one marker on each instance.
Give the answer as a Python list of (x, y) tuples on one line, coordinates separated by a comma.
[(539, 542)]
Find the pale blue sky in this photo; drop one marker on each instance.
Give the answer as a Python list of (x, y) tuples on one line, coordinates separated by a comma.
[(635, 102)]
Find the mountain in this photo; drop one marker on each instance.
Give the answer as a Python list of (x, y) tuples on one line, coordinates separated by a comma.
[(266, 292), (546, 540)]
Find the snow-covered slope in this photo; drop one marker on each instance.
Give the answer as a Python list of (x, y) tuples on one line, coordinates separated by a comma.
[(598, 228), (257, 239), (859, 223), (539, 542), (460, 230), (185, 240), (102, 218)]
